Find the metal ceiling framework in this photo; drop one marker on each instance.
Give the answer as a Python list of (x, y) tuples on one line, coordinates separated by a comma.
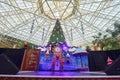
[(61, 9), (17, 16)]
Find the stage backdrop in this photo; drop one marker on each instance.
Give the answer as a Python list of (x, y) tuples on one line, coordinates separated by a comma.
[(97, 59), (73, 63)]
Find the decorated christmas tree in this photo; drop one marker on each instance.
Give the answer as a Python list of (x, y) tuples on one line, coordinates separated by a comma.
[(57, 34)]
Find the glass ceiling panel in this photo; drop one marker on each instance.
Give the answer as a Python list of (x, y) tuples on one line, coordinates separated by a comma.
[(34, 20)]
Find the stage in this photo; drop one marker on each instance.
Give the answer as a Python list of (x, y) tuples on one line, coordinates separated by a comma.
[(30, 75)]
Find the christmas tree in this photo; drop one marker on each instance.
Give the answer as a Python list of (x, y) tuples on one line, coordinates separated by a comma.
[(57, 34)]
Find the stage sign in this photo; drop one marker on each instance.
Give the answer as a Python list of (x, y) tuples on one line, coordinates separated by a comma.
[(30, 60)]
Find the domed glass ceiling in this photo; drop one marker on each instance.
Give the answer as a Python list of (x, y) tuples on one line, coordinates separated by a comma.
[(34, 20)]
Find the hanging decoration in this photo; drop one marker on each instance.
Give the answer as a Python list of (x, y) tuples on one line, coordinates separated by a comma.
[(82, 28), (32, 26), (68, 58), (43, 33), (71, 35)]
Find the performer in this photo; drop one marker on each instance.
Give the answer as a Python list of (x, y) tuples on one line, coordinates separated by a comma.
[(57, 55)]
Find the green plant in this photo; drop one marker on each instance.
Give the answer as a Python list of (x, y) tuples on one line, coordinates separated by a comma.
[(108, 43), (111, 44), (116, 32), (21, 45), (99, 40)]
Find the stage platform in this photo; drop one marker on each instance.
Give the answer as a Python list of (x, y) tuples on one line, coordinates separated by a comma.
[(40, 75)]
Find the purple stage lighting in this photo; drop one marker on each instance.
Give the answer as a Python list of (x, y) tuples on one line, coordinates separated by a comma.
[(64, 47)]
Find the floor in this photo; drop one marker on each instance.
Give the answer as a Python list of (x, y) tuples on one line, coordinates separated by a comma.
[(60, 74)]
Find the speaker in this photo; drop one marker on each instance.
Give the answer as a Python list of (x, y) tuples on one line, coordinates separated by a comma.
[(7, 66), (114, 68)]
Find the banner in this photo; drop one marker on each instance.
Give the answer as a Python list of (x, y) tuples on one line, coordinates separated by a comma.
[(30, 60)]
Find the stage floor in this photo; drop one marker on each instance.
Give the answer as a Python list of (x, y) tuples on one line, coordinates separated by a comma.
[(42, 74)]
